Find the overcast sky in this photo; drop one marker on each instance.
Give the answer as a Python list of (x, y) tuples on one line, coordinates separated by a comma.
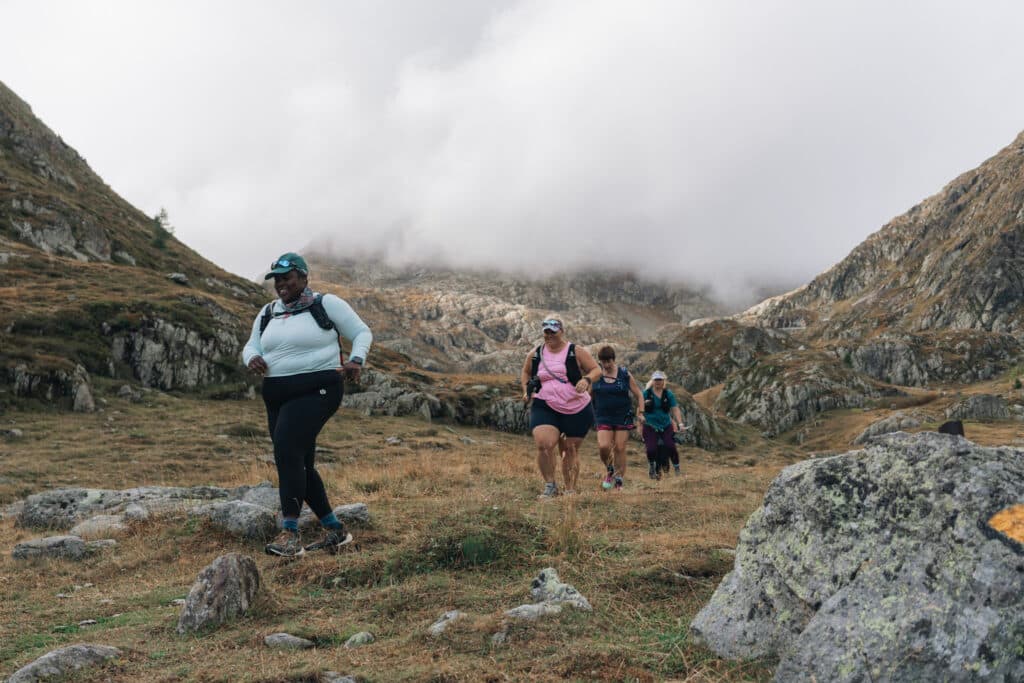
[(724, 143)]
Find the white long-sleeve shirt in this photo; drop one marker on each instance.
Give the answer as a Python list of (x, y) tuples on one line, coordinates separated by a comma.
[(294, 344)]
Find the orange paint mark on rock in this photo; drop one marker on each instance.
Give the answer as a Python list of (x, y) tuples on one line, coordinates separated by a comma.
[(1010, 522)]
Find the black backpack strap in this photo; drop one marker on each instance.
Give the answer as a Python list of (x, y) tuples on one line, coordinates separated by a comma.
[(536, 362), (266, 316), (319, 313), (572, 367)]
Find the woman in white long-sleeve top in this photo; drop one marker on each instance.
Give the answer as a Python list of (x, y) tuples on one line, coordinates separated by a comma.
[(295, 346)]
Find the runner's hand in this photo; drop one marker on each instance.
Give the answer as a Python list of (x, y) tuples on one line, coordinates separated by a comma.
[(258, 365), (352, 371)]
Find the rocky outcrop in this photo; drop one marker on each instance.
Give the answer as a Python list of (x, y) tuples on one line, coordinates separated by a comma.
[(960, 356), (706, 354), (880, 564), (897, 422), (780, 391), (69, 386), (166, 355), (979, 407)]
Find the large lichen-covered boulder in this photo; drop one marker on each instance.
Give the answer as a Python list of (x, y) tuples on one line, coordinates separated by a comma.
[(881, 564)]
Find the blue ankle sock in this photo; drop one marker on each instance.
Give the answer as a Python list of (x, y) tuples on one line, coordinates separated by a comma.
[(290, 525), (329, 521)]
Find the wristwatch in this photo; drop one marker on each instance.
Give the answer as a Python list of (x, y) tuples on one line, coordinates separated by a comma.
[(356, 359)]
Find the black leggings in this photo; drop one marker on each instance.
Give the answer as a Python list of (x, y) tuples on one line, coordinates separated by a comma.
[(298, 406)]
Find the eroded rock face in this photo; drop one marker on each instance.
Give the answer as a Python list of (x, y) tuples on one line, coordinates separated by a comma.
[(980, 407), (69, 386), (778, 392), (962, 356), (166, 355), (224, 590), (705, 354), (880, 564)]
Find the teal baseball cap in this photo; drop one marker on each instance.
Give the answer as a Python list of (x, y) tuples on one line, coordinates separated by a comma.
[(286, 263)]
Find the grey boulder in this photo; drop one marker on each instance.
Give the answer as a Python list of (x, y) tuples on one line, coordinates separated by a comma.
[(880, 565), (224, 590), (61, 663)]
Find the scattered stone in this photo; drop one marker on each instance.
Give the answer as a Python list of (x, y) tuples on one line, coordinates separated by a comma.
[(500, 638), (63, 596), (134, 512), (534, 611), (68, 547), (224, 590), (548, 588), (12, 433), (549, 594), (335, 677), (101, 544), (361, 638), (62, 662), (180, 278), (100, 526), (129, 394), (351, 513), (240, 519), (286, 641), (108, 601), (392, 441), (880, 563), (467, 440), (178, 602), (439, 626), (88, 622)]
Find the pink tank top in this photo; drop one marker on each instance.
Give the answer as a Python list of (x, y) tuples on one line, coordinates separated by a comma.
[(555, 389)]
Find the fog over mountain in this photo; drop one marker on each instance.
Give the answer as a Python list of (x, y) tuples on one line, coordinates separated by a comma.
[(727, 144)]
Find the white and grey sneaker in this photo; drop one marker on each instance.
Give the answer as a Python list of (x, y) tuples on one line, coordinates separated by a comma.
[(550, 490)]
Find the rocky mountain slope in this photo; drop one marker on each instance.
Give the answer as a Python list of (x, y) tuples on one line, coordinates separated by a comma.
[(934, 297), (94, 288), (954, 261)]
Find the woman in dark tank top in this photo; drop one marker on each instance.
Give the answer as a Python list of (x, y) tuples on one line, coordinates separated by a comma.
[(613, 394)]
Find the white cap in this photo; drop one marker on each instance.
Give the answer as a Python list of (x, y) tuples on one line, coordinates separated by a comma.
[(658, 374)]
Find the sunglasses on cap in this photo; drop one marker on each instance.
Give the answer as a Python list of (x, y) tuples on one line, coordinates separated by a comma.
[(282, 263)]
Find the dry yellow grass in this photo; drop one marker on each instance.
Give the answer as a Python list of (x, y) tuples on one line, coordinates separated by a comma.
[(647, 558)]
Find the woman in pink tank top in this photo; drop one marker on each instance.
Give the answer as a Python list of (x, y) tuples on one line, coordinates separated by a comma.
[(558, 375)]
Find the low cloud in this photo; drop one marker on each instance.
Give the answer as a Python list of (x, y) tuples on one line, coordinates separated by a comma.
[(727, 144)]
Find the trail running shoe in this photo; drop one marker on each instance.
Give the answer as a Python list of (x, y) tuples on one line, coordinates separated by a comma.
[(608, 481), (287, 544), (618, 483), (653, 472), (676, 467), (332, 540), (550, 490)]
